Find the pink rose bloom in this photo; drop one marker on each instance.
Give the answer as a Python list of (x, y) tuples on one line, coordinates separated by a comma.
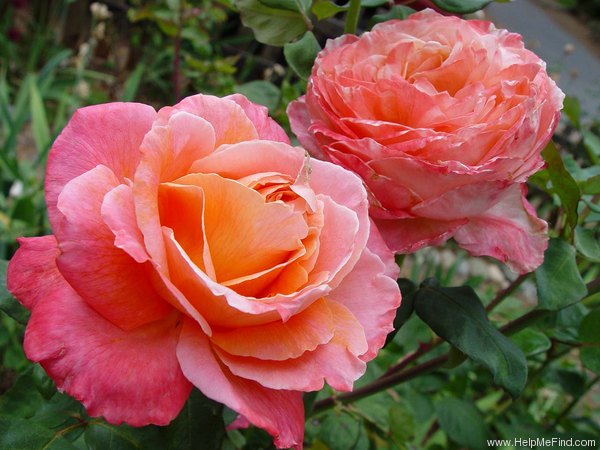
[(444, 119), (196, 247)]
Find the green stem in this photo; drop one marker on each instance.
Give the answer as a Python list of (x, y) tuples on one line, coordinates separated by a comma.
[(506, 292), (352, 17)]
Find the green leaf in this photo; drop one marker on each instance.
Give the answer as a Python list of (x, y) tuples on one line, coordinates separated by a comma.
[(589, 335), (270, 25), (396, 12), (261, 92), (402, 424), (39, 121), (563, 183), (587, 244), (559, 283), (531, 342), (99, 435), (289, 5), (8, 303), (461, 6), (457, 315), (372, 3), (462, 422), (572, 109), (571, 382), (301, 55), (591, 186), (21, 434), (325, 9), (340, 431), (198, 426), (591, 142)]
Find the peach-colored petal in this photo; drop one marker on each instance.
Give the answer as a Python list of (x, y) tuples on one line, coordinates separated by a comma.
[(108, 134), (124, 376), (336, 361), (280, 341), (279, 412), (106, 277), (245, 234), (510, 231)]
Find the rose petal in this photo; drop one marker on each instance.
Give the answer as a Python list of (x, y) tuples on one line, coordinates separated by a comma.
[(85, 143), (106, 277), (509, 231), (124, 376), (279, 412)]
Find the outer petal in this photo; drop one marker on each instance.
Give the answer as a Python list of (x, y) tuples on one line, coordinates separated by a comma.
[(34, 260), (108, 134), (279, 412), (300, 123), (509, 231), (266, 127), (106, 277), (131, 377), (368, 281)]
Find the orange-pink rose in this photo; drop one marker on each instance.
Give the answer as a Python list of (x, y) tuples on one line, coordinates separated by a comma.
[(196, 247), (444, 119)]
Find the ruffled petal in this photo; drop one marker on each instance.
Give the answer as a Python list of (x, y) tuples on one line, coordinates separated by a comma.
[(510, 231), (34, 260), (265, 126), (124, 376), (108, 134), (279, 412), (107, 278)]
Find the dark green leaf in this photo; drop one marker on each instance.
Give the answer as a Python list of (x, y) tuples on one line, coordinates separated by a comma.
[(261, 92), (22, 399), (457, 315), (558, 281), (100, 435), (462, 422), (563, 183), (199, 426), (461, 6), (589, 335), (587, 243), (300, 55), (21, 434), (270, 25), (572, 109), (532, 342), (396, 12), (8, 304), (133, 82), (573, 383)]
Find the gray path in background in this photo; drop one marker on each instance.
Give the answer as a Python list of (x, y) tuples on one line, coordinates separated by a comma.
[(564, 45)]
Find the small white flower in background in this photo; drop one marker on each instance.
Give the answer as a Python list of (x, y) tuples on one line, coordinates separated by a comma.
[(100, 11)]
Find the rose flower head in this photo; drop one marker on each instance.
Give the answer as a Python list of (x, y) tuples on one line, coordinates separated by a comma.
[(444, 119), (196, 247)]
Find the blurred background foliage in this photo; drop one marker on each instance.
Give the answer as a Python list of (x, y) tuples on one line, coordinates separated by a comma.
[(533, 371)]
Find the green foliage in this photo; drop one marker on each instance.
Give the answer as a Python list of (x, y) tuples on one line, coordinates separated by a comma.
[(457, 315), (463, 422), (558, 280), (301, 55), (461, 6)]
